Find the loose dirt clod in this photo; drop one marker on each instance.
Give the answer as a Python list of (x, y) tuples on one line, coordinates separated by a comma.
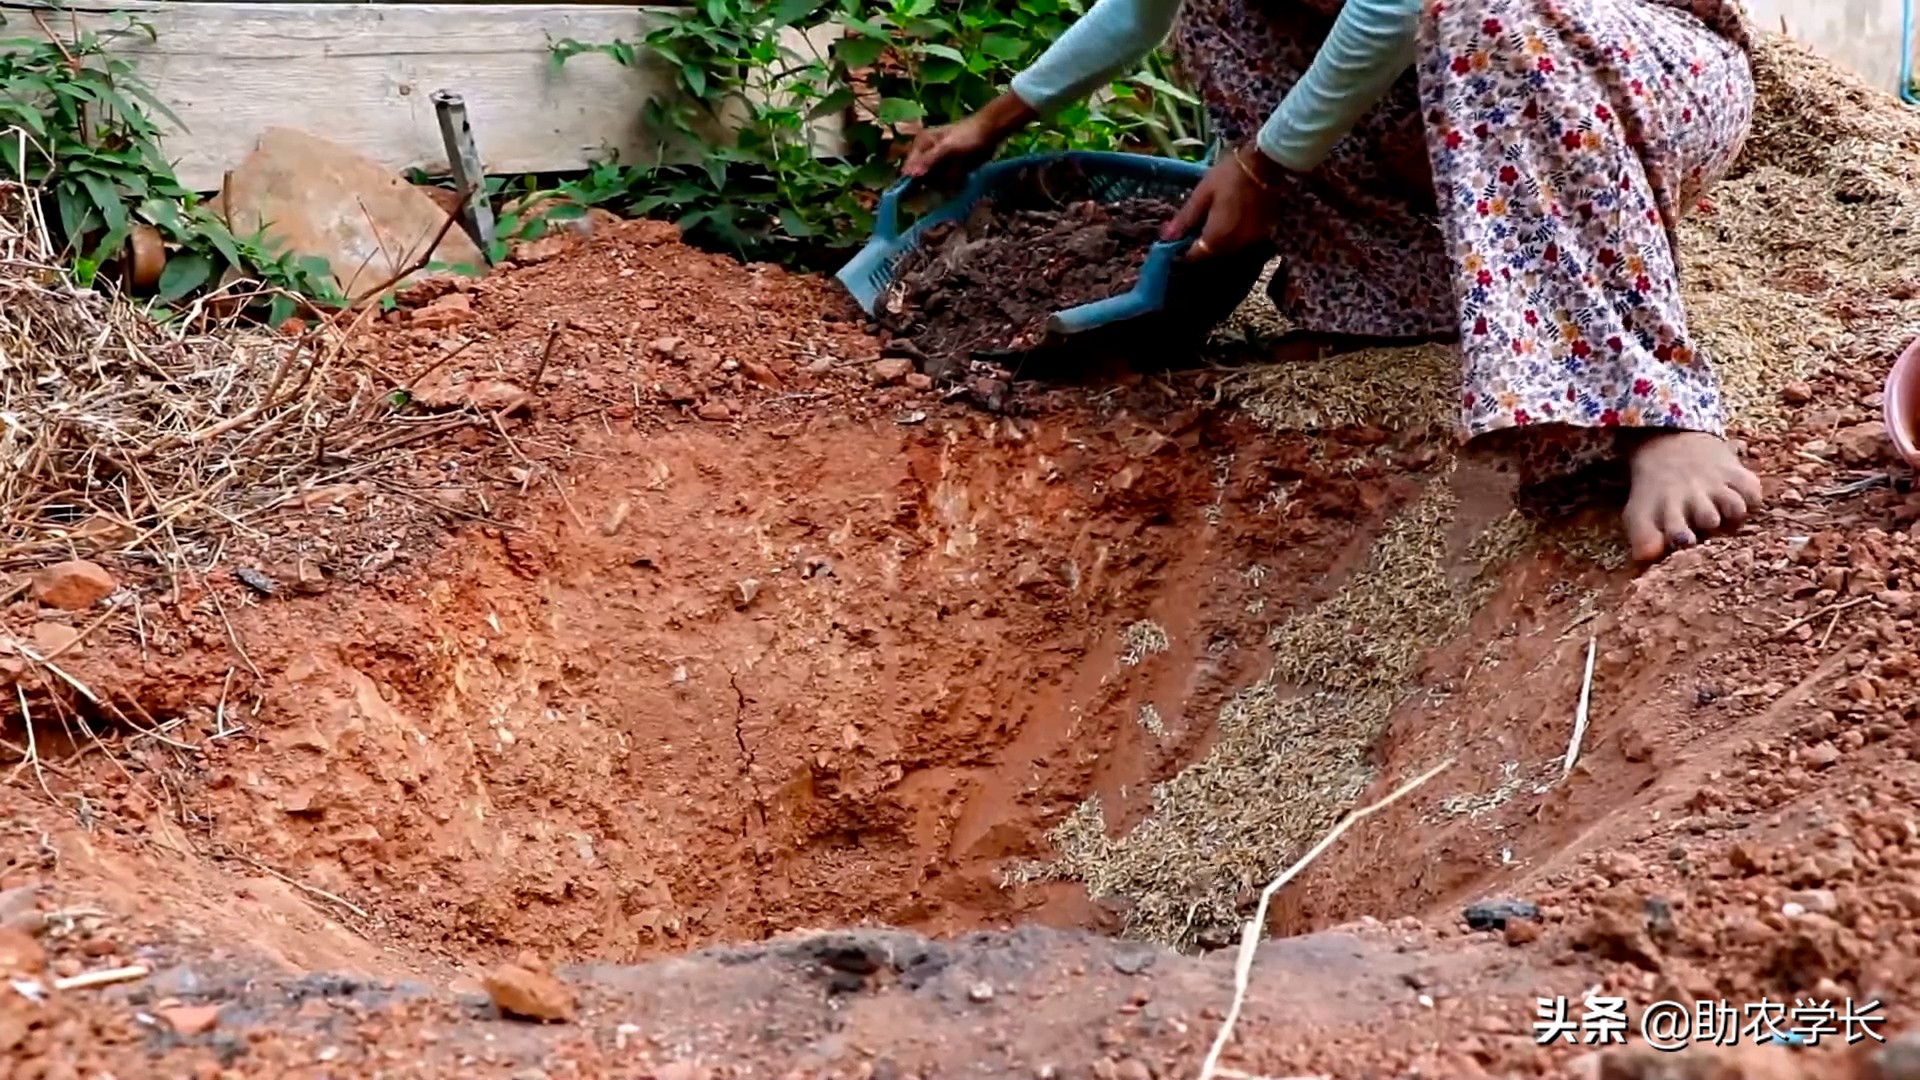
[(529, 994), (74, 585)]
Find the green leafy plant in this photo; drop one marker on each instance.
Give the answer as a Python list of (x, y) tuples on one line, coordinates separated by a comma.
[(751, 107), (76, 125)]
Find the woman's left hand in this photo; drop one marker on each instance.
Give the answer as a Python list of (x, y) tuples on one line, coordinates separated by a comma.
[(1238, 206)]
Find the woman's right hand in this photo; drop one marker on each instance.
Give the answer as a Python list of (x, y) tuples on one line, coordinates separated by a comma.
[(946, 154)]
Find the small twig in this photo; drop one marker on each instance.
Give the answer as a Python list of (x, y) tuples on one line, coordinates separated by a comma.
[(419, 261), (1580, 711), (546, 354), (1828, 635), (1834, 609), (106, 977), (1250, 936)]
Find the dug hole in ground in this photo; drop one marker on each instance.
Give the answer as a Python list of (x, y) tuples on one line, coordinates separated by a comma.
[(668, 691)]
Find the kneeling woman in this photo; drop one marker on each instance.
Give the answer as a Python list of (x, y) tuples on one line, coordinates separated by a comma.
[(1505, 171)]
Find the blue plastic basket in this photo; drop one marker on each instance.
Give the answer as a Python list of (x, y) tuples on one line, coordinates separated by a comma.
[(1110, 178)]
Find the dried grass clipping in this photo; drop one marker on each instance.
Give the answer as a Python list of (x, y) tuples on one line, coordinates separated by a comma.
[(121, 435)]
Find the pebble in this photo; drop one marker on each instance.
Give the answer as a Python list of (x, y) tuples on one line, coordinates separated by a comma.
[(528, 994), (20, 954), (75, 585), (191, 1019), (980, 992), (1495, 914), (1796, 393), (891, 371), (714, 410)]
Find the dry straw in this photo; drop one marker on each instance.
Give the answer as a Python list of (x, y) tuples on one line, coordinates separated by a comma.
[(121, 434)]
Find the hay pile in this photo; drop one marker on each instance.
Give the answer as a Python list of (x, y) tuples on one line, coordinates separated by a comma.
[(1803, 260), (121, 436)]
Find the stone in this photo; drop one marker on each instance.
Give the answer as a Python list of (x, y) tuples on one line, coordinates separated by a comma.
[(980, 992), (680, 1070), (191, 1019), (891, 371), (714, 410), (51, 639), (1522, 932), (1863, 444), (317, 198), (449, 311), (20, 954), (534, 252), (73, 586), (526, 994), (1495, 914), (1796, 393)]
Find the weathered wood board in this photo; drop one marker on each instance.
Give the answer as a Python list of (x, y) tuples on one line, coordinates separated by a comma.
[(363, 75)]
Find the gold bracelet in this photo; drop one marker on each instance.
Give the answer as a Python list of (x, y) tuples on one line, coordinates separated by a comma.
[(1249, 171)]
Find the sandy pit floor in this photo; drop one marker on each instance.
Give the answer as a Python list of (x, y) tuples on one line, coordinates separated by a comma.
[(745, 705)]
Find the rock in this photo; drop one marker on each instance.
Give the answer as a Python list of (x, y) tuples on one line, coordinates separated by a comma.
[(1621, 866), (1818, 901), (20, 954), (522, 992), (308, 577), (1496, 914), (314, 197), (534, 252), (191, 1019), (667, 348), (919, 382), (980, 992), (1796, 393), (680, 1070), (449, 311), (760, 373), (1821, 755), (51, 639), (1522, 932), (1863, 444), (714, 410), (255, 580), (1131, 1069), (20, 909), (1134, 961), (1620, 935), (73, 586), (891, 371)]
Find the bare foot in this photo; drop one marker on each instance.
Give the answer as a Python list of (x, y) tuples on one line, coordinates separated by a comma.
[(1686, 484)]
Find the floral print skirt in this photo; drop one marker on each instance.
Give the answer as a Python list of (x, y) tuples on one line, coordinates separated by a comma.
[(1519, 189)]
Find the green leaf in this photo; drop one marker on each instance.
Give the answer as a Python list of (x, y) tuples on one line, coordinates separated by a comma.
[(945, 52), (106, 198), (859, 52), (696, 79), (795, 225), (1003, 47), (898, 111), (184, 274), (837, 102), (280, 310), (788, 12)]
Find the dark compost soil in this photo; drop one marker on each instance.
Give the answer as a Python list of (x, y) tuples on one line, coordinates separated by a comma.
[(982, 288)]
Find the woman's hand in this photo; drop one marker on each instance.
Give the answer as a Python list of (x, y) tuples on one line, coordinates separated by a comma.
[(1239, 202), (946, 154)]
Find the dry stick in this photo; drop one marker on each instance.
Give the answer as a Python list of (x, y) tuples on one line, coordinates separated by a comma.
[(107, 977), (1824, 638), (33, 748), (1833, 609), (420, 261), (1580, 711), (1250, 936)]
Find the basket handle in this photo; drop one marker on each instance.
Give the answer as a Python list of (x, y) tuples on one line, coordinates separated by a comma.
[(886, 213)]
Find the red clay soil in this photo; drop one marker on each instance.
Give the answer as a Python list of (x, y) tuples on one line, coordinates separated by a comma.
[(734, 634)]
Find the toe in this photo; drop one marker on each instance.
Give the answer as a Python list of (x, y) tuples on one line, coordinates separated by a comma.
[(1748, 486), (1672, 517), (1732, 506), (1701, 512), (1645, 535)]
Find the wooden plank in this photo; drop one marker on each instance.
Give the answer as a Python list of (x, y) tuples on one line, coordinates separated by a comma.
[(363, 75)]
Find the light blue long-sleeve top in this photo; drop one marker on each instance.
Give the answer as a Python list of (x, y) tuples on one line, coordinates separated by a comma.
[(1371, 44)]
